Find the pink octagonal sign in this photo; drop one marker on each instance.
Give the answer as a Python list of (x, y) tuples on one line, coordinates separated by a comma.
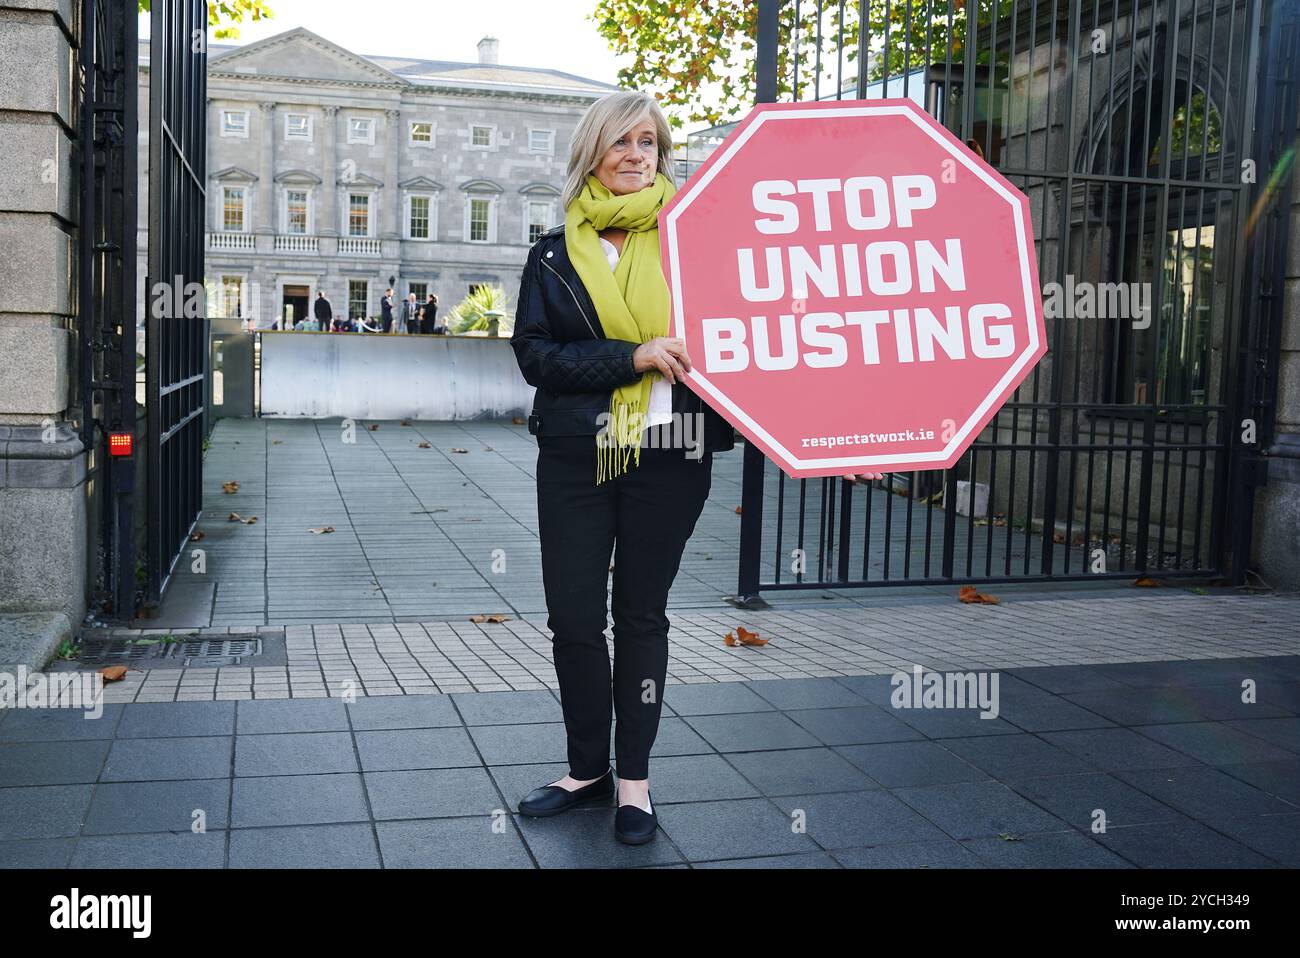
[(857, 290)]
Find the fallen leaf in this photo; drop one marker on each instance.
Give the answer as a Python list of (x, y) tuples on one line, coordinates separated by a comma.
[(488, 449), (968, 594), (405, 422), (1058, 537), (196, 535), (230, 488), (236, 517), (113, 673), (276, 442), (749, 638), (321, 530), (494, 617), (1008, 837), (730, 639), (250, 520), (458, 449), (424, 445), (737, 510), (518, 420), (374, 427), (1146, 583)]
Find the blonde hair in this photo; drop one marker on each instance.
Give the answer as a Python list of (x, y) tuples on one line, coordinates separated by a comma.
[(600, 127)]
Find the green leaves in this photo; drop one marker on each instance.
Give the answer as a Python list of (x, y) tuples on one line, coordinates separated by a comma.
[(699, 58), (224, 15)]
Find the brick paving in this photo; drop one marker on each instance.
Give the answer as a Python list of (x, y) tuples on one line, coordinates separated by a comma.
[(1109, 626)]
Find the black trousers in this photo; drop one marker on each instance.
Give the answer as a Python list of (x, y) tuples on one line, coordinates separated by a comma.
[(644, 517)]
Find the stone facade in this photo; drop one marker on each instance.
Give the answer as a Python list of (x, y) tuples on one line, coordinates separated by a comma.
[(43, 468), (327, 169)]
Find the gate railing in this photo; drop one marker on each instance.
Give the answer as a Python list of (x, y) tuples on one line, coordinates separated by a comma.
[(106, 288), (1126, 123), (176, 342)]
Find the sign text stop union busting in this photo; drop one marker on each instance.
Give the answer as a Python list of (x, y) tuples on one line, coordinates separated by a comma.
[(858, 292)]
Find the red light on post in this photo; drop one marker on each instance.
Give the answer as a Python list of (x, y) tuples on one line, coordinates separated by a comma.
[(121, 443)]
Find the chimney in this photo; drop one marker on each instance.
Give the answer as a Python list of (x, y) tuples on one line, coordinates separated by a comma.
[(487, 50)]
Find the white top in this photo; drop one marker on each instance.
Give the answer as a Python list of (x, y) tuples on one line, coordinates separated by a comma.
[(661, 392)]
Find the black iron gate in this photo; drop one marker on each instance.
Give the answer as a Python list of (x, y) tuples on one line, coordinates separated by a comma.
[(1132, 127), (106, 303), (176, 320)]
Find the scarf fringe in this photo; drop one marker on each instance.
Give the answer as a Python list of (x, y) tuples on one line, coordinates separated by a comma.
[(619, 441)]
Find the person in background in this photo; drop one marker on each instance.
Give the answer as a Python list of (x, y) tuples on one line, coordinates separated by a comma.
[(429, 316), (409, 320), (323, 311), (386, 310)]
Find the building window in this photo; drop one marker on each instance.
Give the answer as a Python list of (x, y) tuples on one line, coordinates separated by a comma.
[(421, 291), (541, 141), (539, 219), (361, 129), (358, 214), (232, 209), (228, 297), (234, 123), (297, 126), (358, 298), (418, 219), (421, 133), (481, 136), (295, 210), (480, 220)]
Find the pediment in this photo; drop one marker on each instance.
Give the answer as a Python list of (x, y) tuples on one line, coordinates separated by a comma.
[(361, 180), (482, 186), (298, 176), (539, 189), (420, 183), (300, 54), (235, 174)]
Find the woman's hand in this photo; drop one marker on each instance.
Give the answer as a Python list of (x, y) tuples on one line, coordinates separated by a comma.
[(665, 354)]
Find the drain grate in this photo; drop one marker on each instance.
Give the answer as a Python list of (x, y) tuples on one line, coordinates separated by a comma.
[(201, 651), (187, 651)]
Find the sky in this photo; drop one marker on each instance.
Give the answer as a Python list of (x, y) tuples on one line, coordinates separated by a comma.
[(553, 34)]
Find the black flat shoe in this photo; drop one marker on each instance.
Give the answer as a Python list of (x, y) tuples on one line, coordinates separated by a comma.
[(634, 825), (552, 799)]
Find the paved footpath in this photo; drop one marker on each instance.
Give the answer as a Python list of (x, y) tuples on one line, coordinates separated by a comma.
[(1124, 737), (799, 773), (369, 723)]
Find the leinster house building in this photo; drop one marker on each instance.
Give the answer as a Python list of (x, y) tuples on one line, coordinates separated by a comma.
[(336, 172)]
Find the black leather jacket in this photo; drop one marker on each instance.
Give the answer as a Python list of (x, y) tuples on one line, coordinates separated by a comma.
[(562, 350)]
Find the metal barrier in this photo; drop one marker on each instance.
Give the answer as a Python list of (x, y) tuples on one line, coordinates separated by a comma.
[(1127, 125)]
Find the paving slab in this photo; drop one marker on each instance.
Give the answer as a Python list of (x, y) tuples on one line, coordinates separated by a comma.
[(800, 772)]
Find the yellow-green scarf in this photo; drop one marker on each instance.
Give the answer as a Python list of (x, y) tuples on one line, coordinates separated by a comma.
[(631, 301)]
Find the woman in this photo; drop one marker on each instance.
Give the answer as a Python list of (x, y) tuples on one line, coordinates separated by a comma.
[(625, 451)]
